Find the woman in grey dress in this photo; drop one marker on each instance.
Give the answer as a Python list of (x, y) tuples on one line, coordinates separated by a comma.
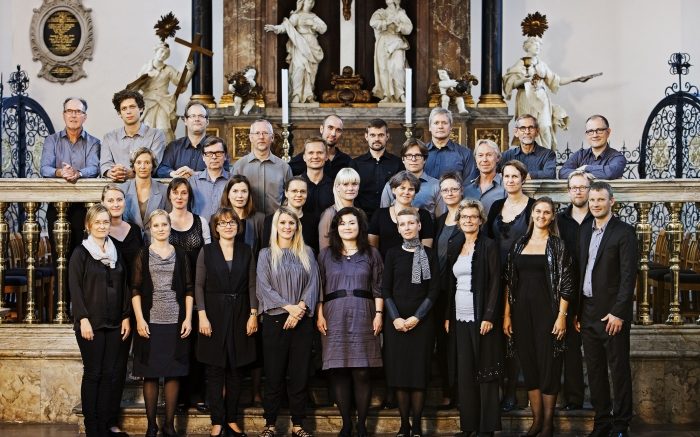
[(350, 314), (163, 297)]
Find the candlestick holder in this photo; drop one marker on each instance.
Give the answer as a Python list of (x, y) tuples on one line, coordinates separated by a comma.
[(409, 130), (285, 142)]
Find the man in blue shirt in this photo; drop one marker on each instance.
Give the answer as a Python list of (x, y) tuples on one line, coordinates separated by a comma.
[(444, 155), (541, 162), (600, 160), (208, 184), (488, 186)]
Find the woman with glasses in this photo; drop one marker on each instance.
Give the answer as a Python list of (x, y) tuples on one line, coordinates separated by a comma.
[(128, 240), (162, 299), (100, 297), (228, 317), (349, 315), (404, 185), (345, 189), (447, 236), (507, 221), (287, 289), (473, 305), (539, 281), (143, 195), (238, 196)]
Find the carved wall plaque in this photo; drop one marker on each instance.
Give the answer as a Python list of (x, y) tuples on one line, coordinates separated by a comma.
[(62, 39)]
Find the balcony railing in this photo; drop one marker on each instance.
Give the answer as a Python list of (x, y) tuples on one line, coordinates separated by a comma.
[(649, 198)]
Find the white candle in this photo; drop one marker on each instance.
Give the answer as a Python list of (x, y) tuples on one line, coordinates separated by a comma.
[(408, 95), (285, 96)]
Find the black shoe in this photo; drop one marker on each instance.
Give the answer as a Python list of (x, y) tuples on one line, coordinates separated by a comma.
[(202, 407), (601, 431), (117, 433), (229, 431), (152, 431), (301, 432), (572, 407), (362, 432), (404, 432), (508, 405), (619, 434), (464, 434), (417, 433), (170, 433)]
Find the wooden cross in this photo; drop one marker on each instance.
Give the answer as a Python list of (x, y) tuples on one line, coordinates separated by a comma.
[(194, 47)]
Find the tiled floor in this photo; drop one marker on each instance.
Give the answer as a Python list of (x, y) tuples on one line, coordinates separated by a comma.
[(61, 430)]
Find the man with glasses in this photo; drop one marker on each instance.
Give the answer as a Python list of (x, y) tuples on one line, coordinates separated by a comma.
[(571, 221), (444, 155), (183, 156), (413, 155), (118, 144), (331, 132), (541, 163), (600, 160), (488, 186), (208, 184), (266, 172)]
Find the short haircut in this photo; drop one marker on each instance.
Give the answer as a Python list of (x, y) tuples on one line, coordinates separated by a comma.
[(522, 168), (346, 175), (82, 100), (451, 175), (122, 95), (599, 117), (175, 183), (262, 120), (95, 209), (602, 185), (112, 187), (142, 151), (582, 173), (249, 207), (192, 103), (218, 216), (492, 144), (439, 110), (404, 176), (377, 123), (312, 140), (328, 117), (471, 204), (409, 211), (210, 141), (156, 213), (524, 116), (414, 142)]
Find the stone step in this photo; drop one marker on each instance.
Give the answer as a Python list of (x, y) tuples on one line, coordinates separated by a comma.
[(328, 420)]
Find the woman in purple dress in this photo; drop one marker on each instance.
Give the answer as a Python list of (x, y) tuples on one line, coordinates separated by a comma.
[(350, 314)]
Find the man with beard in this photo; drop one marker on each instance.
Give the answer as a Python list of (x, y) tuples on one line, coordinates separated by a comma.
[(375, 167), (541, 163), (331, 132)]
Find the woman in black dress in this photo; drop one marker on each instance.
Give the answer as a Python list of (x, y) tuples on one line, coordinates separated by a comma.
[(383, 233), (409, 287), (98, 288), (539, 285), (228, 317), (507, 221), (128, 240), (163, 297), (473, 305)]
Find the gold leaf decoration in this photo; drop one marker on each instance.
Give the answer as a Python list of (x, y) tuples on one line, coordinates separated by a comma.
[(534, 25), (167, 26)]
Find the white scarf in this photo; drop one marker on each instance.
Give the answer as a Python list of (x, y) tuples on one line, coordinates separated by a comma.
[(108, 257)]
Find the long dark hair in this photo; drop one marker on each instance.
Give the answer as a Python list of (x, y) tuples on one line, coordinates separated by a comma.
[(336, 243)]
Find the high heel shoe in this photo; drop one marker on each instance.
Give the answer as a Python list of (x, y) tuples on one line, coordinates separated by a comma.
[(231, 432), (152, 431)]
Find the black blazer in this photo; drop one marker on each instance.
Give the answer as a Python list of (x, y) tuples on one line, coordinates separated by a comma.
[(614, 271)]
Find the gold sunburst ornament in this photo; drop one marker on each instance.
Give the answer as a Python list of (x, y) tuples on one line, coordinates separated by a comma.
[(167, 26), (534, 25)]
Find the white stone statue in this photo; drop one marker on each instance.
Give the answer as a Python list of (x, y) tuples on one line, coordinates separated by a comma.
[(390, 25), (303, 51), (532, 79), (447, 84), (154, 80)]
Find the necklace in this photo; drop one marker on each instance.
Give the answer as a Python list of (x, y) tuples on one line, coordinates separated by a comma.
[(349, 252)]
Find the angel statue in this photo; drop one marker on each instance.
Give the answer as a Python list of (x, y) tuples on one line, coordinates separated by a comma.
[(303, 50), (244, 89), (532, 79)]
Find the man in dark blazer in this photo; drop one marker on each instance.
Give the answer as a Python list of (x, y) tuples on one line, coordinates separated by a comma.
[(608, 273)]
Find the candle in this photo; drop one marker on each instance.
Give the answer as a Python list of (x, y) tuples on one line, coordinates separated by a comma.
[(408, 95), (285, 96)]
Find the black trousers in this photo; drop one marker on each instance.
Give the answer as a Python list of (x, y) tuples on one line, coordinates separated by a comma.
[(602, 350), (99, 355), (287, 355), (223, 409), (119, 378), (573, 365), (479, 409)]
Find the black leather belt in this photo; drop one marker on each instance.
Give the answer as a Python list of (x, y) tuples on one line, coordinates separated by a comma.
[(342, 293)]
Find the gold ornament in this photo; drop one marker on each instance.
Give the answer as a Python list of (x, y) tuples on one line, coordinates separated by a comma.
[(534, 25)]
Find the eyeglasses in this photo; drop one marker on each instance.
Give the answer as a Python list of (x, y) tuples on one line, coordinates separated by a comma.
[(600, 130), (414, 157), (228, 224), (217, 154), (261, 134), (526, 128), (580, 189), (295, 192), (73, 112), (196, 117), (450, 190), (469, 217)]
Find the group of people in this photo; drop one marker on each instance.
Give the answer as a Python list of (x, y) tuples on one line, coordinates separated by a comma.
[(389, 259)]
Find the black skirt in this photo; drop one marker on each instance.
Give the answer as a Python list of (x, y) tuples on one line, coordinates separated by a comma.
[(162, 357)]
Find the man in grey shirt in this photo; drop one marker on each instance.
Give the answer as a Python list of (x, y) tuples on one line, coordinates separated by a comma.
[(266, 172), (487, 187), (208, 185), (118, 144), (541, 163)]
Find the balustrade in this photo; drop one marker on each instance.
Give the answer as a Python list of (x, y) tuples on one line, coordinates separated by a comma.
[(643, 195)]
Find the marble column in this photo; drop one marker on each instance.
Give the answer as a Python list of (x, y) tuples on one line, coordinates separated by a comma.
[(491, 52), (202, 84)]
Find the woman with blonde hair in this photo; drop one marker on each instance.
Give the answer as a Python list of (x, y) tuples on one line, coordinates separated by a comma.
[(345, 189), (287, 289)]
